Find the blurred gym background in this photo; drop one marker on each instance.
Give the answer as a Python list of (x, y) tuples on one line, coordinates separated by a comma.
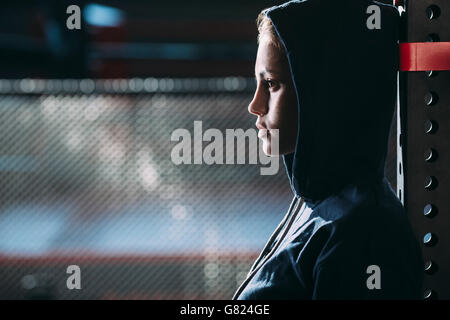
[(86, 176)]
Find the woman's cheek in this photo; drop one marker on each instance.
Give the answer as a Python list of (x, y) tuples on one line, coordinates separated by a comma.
[(275, 115)]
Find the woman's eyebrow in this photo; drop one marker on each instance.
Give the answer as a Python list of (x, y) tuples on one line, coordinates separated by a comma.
[(269, 71)]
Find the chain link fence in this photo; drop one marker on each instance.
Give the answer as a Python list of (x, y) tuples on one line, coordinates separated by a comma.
[(87, 179)]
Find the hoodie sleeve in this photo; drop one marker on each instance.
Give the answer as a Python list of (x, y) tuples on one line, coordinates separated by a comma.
[(368, 262), (338, 280), (342, 280)]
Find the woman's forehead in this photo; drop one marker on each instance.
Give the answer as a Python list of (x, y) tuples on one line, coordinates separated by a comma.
[(270, 59)]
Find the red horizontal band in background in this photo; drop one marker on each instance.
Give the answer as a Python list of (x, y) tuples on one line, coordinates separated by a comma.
[(424, 56)]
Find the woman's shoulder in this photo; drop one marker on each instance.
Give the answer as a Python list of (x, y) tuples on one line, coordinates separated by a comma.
[(359, 215), (360, 202)]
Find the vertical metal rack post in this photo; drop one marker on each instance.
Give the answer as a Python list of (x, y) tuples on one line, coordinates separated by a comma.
[(423, 162)]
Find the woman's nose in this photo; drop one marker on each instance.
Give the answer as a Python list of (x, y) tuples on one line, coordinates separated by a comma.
[(258, 105)]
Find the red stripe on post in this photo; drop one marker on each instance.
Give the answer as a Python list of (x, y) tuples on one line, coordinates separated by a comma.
[(424, 56)]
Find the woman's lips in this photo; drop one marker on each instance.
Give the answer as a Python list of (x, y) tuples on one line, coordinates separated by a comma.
[(262, 133), (260, 126)]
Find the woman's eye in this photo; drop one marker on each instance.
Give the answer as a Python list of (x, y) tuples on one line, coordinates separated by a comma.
[(270, 83)]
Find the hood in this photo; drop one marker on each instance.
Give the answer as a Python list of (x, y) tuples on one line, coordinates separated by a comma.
[(345, 75)]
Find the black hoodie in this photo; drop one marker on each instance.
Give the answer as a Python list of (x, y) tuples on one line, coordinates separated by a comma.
[(346, 234)]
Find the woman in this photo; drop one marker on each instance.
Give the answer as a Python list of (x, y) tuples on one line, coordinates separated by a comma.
[(327, 82)]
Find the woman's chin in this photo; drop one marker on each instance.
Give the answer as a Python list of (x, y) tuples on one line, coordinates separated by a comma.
[(266, 148), (269, 150), (271, 143)]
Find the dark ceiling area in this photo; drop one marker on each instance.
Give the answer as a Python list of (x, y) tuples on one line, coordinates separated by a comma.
[(124, 39)]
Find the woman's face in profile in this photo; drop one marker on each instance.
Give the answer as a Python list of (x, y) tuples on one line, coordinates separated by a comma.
[(275, 99)]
